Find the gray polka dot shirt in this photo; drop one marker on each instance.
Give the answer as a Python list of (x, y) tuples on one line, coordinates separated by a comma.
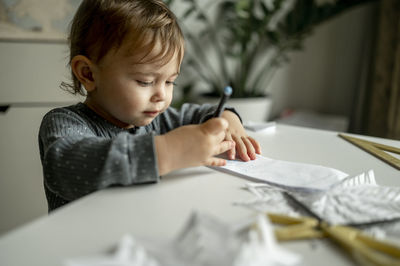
[(81, 152)]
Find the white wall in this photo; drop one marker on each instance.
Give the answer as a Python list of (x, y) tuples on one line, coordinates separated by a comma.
[(33, 71), (29, 72), (323, 77)]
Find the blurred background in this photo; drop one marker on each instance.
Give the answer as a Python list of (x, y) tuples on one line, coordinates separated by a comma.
[(326, 64)]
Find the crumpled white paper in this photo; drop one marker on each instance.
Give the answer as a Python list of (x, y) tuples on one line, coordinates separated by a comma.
[(207, 241), (128, 253), (203, 241), (356, 199)]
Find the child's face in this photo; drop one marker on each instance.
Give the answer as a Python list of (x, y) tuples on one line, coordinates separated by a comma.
[(130, 94)]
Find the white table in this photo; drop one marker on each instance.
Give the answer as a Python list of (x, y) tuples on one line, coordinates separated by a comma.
[(95, 223)]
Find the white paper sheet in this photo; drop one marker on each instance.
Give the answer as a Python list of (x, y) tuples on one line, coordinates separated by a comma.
[(285, 174), (260, 126)]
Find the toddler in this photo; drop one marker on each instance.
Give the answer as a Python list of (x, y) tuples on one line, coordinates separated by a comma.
[(125, 56)]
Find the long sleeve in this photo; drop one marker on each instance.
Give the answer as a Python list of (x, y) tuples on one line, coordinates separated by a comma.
[(82, 153), (79, 157)]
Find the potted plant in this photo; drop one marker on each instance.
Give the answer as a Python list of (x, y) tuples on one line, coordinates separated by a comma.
[(241, 43)]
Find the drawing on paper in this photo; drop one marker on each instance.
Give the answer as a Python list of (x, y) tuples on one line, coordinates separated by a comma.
[(36, 20)]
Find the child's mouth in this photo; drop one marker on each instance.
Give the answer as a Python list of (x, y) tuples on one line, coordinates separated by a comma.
[(151, 113)]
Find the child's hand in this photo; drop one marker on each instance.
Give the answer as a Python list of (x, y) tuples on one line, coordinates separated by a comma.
[(246, 147), (193, 145)]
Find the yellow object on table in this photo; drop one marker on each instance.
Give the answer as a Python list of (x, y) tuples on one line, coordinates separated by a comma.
[(365, 249), (376, 149)]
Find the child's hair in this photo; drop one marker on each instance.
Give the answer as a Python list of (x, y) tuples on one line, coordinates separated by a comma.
[(102, 25)]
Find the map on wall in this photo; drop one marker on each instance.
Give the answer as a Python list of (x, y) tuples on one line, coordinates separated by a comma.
[(36, 20)]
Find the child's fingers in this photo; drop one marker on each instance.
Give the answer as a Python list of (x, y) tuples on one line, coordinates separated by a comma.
[(232, 151), (241, 148), (225, 146), (256, 145), (213, 161), (249, 147)]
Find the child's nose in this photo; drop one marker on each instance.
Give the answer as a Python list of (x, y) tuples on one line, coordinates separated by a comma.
[(159, 93)]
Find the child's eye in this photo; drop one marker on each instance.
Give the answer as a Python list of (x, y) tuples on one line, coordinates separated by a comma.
[(171, 83), (144, 83)]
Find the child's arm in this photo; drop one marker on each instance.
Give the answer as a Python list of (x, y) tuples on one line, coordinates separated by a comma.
[(82, 155), (193, 145), (246, 147)]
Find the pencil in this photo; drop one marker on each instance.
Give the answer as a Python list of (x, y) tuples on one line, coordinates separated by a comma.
[(225, 96)]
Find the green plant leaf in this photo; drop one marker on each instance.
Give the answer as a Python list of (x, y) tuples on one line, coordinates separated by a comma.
[(188, 12)]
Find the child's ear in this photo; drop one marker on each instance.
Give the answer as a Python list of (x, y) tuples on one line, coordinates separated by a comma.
[(83, 71)]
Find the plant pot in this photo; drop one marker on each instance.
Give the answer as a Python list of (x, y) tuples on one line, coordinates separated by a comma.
[(255, 109)]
